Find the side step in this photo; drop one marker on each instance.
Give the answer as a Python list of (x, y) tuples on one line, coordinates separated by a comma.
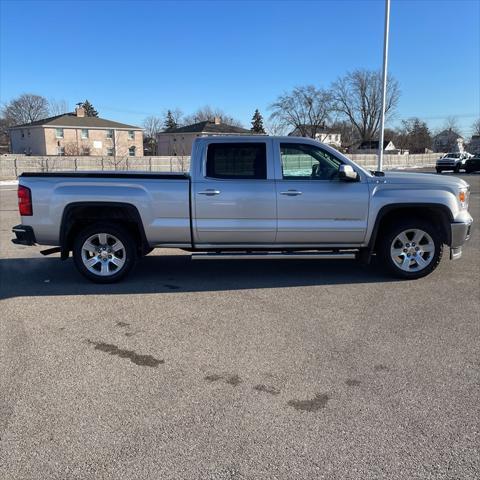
[(275, 256)]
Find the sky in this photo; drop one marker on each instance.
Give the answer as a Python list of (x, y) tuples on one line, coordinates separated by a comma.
[(133, 59)]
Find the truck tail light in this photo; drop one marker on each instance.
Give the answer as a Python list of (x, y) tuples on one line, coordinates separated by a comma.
[(24, 201)]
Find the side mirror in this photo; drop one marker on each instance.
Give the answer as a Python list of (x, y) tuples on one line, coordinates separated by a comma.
[(347, 174)]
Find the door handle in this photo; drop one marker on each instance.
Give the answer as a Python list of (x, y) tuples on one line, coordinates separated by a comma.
[(209, 192), (291, 193)]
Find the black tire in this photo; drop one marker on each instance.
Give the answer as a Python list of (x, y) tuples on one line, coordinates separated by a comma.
[(457, 168), (439, 170), (128, 253), (393, 231)]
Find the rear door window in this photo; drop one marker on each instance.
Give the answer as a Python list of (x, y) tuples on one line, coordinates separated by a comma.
[(237, 160)]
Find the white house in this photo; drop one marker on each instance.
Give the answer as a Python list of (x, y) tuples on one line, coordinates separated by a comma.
[(322, 134), (448, 141)]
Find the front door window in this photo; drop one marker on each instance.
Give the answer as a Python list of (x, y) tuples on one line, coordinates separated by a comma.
[(307, 162)]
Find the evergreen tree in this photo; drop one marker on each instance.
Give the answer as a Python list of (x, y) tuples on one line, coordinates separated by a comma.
[(257, 123), (170, 122), (89, 109)]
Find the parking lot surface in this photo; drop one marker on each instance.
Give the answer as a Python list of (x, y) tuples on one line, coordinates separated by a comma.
[(238, 370)]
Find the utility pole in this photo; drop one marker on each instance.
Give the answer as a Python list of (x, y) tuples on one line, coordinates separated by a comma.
[(384, 85)]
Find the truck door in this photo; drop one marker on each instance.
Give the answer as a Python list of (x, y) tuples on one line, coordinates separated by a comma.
[(234, 200), (314, 206)]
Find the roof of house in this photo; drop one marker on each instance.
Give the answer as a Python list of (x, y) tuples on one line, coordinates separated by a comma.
[(448, 132), (209, 127), (373, 144), (71, 120)]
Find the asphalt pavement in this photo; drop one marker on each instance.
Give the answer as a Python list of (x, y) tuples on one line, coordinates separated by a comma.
[(238, 370)]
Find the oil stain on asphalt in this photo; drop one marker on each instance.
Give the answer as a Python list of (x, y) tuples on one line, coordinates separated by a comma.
[(267, 389), (352, 382), (137, 359), (233, 380), (318, 402)]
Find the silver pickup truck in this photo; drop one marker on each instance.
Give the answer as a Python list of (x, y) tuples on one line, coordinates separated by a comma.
[(247, 198)]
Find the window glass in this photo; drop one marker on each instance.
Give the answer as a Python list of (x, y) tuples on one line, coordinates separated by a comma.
[(307, 162), (131, 134), (110, 152), (61, 151), (237, 160), (84, 132), (131, 151), (59, 132), (109, 133)]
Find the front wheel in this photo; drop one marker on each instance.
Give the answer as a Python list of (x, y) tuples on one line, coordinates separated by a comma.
[(411, 249), (439, 170), (457, 168), (104, 253)]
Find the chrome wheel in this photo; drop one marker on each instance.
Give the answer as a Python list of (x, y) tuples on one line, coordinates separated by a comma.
[(103, 254), (412, 250)]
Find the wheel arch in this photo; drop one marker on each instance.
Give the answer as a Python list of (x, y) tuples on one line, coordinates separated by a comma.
[(437, 213), (79, 215)]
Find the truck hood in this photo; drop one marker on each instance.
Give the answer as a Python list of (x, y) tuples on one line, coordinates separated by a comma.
[(426, 179)]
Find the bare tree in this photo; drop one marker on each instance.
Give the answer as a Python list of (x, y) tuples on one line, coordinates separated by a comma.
[(358, 97), (152, 126), (348, 133), (305, 109), (476, 127), (57, 107), (451, 123), (27, 108), (208, 114), (275, 128)]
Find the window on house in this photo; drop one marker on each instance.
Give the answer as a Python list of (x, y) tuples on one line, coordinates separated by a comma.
[(28, 133), (23, 133), (237, 160), (131, 152), (131, 134), (110, 152), (84, 132), (61, 151), (109, 133), (59, 132)]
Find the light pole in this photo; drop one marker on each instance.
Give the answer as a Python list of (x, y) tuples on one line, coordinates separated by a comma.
[(384, 85)]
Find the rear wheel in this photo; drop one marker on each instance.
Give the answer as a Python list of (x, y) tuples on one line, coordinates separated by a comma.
[(104, 253), (439, 170), (411, 249)]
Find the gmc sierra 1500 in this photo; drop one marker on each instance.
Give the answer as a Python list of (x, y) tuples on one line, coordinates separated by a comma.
[(247, 197)]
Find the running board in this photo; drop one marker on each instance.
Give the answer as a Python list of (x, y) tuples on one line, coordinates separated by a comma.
[(275, 256)]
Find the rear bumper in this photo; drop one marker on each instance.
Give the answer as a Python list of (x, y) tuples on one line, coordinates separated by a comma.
[(24, 235), (460, 233)]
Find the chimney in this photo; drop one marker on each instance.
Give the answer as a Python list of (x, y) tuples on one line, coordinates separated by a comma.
[(80, 111), (218, 120)]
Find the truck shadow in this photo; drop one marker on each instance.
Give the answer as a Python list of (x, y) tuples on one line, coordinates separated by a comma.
[(30, 277)]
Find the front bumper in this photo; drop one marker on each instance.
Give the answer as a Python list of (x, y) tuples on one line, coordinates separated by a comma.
[(24, 234), (460, 233)]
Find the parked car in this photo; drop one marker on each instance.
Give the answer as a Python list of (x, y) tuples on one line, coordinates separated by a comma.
[(452, 161), (473, 164), (247, 198)]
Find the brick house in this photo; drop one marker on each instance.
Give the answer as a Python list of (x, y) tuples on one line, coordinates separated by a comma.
[(76, 134), (178, 141)]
